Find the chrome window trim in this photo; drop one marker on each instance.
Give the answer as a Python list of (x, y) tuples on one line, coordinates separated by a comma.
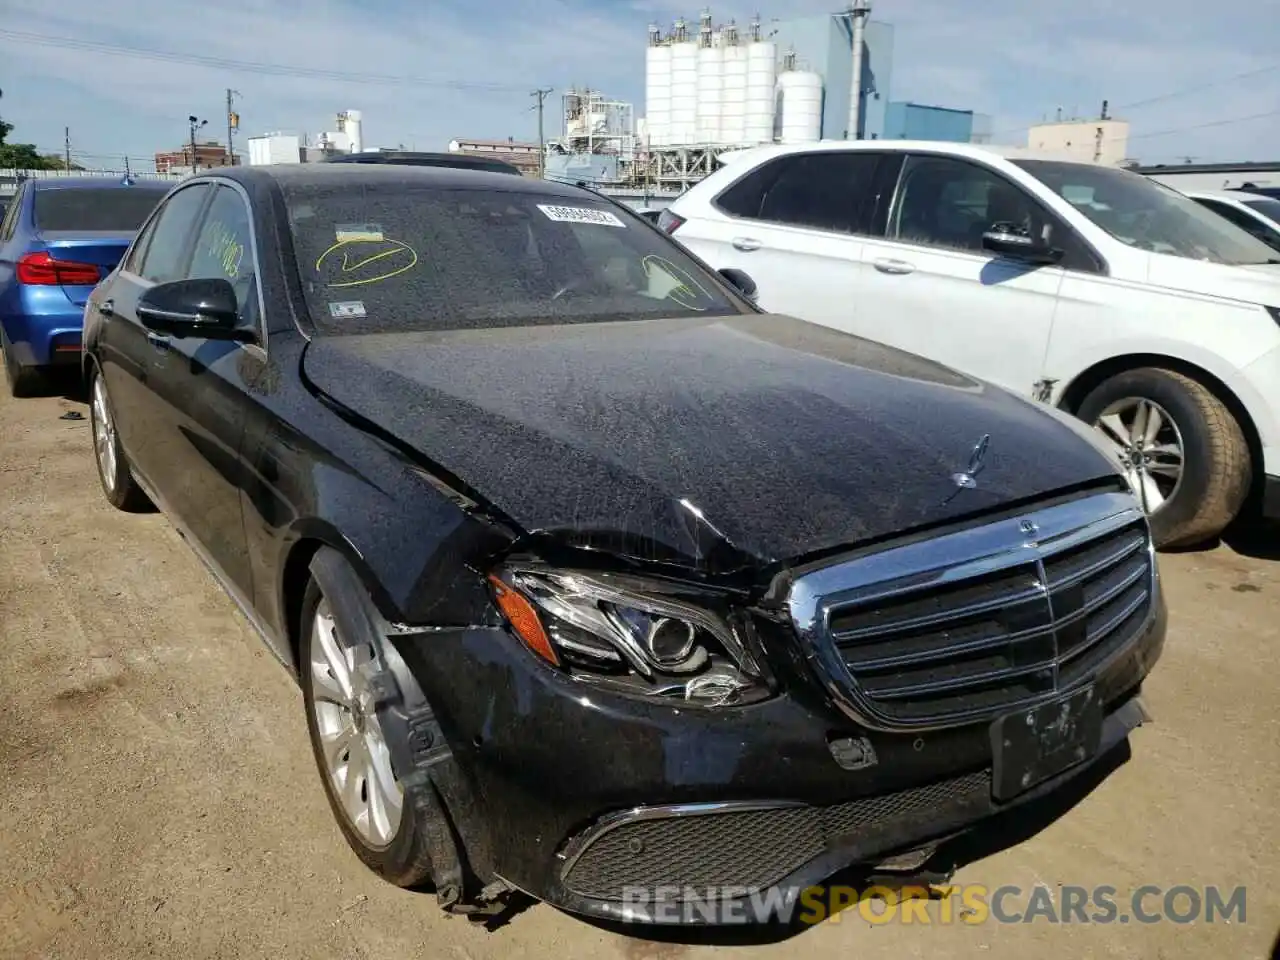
[(945, 559)]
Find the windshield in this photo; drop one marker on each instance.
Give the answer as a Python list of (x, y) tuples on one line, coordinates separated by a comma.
[(1267, 207), (88, 209), (408, 257), (1145, 214)]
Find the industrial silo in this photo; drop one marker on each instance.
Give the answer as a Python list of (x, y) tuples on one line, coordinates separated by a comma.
[(733, 96), (762, 75), (657, 84), (684, 86), (710, 84), (799, 105)]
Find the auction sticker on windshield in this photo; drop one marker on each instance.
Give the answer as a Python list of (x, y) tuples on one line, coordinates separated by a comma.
[(601, 218), (347, 309), (350, 232)]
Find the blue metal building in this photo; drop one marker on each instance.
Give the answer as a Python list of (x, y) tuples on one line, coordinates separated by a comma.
[(824, 44)]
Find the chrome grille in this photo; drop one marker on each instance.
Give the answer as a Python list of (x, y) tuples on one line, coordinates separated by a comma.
[(970, 624)]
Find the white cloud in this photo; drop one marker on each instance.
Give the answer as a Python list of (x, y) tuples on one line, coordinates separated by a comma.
[(1008, 58)]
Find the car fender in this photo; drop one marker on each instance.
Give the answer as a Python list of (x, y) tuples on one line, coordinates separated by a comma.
[(1147, 351)]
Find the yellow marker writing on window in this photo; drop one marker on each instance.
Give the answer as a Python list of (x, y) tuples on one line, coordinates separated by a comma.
[(674, 284), (361, 262)]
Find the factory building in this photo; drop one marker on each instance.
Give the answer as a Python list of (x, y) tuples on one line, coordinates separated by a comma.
[(720, 85), (1104, 140)]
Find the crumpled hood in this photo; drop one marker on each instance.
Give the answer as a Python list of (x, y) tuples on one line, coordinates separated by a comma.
[(711, 442)]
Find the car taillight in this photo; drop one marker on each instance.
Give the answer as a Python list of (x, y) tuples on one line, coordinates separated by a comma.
[(669, 222), (41, 270)]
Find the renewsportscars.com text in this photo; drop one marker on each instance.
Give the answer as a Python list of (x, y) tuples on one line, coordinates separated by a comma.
[(967, 904)]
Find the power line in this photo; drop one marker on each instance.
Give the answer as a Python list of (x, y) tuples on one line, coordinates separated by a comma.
[(1172, 95), (1199, 87), (249, 66), (1202, 126)]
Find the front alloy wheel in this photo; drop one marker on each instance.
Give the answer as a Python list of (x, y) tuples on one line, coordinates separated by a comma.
[(1179, 446), (1148, 446), (356, 758)]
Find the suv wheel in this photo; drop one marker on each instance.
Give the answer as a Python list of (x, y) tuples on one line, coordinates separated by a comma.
[(121, 489), (1182, 451)]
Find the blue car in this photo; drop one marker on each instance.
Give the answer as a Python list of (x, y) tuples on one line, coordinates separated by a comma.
[(58, 239)]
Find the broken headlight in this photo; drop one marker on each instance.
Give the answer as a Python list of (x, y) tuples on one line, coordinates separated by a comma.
[(635, 637)]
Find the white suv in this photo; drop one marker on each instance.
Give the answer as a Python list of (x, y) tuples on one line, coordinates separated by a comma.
[(1088, 287)]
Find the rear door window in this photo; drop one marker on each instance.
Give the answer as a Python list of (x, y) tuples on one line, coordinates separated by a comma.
[(829, 190), (107, 209)]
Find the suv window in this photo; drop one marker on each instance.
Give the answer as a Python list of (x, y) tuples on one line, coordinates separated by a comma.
[(824, 190), (1244, 221), (166, 254), (950, 203), (224, 248)]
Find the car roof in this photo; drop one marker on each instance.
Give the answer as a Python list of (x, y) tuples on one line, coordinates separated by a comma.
[(1226, 197), (411, 157), (292, 175), (973, 151)]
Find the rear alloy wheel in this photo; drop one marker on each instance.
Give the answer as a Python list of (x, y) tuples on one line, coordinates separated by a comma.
[(121, 489), (24, 381), (1181, 450)]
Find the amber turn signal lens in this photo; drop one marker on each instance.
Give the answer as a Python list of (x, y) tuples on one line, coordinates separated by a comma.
[(524, 620)]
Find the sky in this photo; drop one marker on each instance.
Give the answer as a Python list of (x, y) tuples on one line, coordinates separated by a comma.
[(425, 73)]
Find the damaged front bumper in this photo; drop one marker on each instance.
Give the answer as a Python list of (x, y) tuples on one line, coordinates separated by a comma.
[(609, 806)]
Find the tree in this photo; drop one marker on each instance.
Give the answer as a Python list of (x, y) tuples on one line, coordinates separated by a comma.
[(23, 156)]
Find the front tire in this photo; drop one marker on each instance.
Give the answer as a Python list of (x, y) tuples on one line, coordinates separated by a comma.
[(1182, 451), (379, 815), (114, 473)]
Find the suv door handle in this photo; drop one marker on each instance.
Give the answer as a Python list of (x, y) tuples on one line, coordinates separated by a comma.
[(746, 244), (893, 266), (158, 340), (107, 307)]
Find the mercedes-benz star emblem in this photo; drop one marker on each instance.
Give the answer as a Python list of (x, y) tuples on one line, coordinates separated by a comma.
[(968, 479), (1028, 528)]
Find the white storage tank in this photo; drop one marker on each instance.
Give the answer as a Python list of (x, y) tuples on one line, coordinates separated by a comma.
[(762, 76), (799, 106), (684, 92), (657, 89), (710, 93), (733, 95)]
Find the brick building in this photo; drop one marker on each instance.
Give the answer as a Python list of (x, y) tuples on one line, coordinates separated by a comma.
[(522, 156), (208, 154)]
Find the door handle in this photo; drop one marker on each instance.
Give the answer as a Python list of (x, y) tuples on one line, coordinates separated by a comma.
[(893, 266), (107, 308), (158, 340), (746, 244)]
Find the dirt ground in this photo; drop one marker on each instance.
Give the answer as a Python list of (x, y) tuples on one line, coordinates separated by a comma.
[(159, 799)]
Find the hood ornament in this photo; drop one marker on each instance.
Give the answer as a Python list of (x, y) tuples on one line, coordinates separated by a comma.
[(968, 479)]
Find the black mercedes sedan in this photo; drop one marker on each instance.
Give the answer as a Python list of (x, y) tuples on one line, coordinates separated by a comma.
[(600, 583)]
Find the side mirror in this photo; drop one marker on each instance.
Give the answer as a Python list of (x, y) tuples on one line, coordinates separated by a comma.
[(1009, 241), (741, 281), (204, 308)]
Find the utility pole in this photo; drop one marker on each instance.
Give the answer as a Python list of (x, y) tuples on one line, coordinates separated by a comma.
[(66, 145), (233, 123), (541, 95), (196, 123)]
